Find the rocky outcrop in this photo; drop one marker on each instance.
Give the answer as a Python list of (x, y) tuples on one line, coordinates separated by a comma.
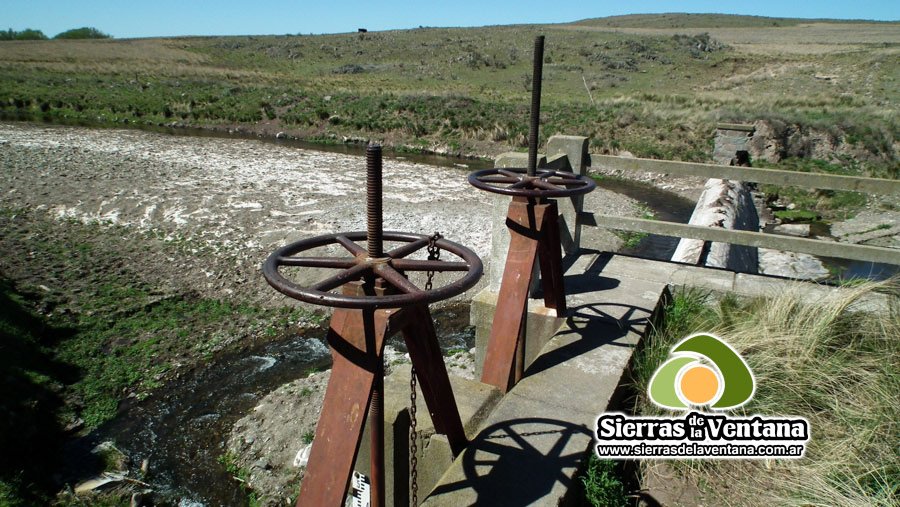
[(775, 140)]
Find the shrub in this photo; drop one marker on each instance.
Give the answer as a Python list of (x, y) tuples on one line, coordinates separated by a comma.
[(86, 32)]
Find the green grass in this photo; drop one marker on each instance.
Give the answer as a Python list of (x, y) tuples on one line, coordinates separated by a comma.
[(602, 484), (824, 360), (828, 204), (241, 475), (467, 90), (98, 334), (631, 239), (796, 215)]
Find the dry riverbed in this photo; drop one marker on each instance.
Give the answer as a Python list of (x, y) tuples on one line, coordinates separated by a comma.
[(188, 220)]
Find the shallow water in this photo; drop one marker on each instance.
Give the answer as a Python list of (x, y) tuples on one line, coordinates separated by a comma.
[(182, 429)]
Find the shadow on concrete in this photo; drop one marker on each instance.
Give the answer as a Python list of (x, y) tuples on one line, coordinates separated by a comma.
[(526, 452), (591, 326), (590, 280)]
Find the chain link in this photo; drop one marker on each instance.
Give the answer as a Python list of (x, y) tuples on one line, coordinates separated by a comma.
[(413, 442), (434, 254)]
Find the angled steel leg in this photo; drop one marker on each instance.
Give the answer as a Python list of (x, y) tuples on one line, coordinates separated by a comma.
[(425, 353), (550, 257), (346, 405), (533, 228)]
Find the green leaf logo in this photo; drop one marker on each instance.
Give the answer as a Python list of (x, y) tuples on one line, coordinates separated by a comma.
[(703, 371)]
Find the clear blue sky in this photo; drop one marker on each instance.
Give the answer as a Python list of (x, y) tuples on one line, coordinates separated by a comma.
[(147, 18)]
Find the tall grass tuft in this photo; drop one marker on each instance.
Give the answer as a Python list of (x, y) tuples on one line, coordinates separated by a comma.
[(835, 361)]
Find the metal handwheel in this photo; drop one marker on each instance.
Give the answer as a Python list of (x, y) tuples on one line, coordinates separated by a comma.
[(390, 267), (544, 183), (376, 300)]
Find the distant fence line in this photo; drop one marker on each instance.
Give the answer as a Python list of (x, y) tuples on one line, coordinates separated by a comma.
[(748, 238)]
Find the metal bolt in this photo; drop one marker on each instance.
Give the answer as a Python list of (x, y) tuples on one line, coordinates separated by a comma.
[(374, 236), (535, 103)]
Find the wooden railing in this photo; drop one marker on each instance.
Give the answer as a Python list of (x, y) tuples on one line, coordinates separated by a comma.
[(748, 238)]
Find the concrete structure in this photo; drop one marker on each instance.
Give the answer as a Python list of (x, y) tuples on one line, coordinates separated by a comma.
[(532, 446), (528, 447), (732, 139), (475, 402), (725, 204)]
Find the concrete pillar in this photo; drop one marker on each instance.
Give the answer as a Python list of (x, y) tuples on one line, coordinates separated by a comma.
[(575, 149), (475, 402), (730, 139)]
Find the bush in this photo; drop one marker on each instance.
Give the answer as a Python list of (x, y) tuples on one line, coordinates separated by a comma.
[(26, 34), (86, 32)]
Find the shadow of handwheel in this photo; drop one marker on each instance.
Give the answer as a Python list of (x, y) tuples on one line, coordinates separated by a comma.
[(518, 462)]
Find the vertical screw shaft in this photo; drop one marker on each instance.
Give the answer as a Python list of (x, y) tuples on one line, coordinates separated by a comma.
[(374, 232), (535, 103), (376, 441)]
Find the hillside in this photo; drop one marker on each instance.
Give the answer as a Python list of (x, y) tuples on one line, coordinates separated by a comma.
[(652, 85)]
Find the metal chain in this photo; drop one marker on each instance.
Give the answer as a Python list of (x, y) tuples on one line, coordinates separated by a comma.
[(434, 254), (413, 442)]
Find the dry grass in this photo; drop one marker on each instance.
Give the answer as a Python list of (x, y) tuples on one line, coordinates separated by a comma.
[(155, 51), (800, 39), (834, 361)]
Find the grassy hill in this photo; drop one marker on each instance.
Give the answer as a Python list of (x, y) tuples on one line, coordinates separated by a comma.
[(686, 20), (653, 85)]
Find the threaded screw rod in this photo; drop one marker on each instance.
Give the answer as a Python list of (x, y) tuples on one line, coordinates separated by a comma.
[(374, 232), (536, 76)]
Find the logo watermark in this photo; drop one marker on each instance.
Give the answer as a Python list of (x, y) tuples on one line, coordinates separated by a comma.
[(702, 373)]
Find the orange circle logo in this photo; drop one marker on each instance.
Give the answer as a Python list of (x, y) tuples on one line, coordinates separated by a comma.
[(699, 385)]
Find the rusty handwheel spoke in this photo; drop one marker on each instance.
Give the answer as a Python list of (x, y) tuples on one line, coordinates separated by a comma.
[(351, 247), (396, 279), (562, 174), (318, 262), (565, 182), (546, 186), (348, 275), (407, 249), (500, 179), (511, 174)]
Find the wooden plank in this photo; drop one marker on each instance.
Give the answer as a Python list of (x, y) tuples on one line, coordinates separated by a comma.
[(876, 186), (754, 239)]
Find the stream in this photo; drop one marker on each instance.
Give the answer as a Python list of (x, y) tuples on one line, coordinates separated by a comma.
[(181, 430)]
